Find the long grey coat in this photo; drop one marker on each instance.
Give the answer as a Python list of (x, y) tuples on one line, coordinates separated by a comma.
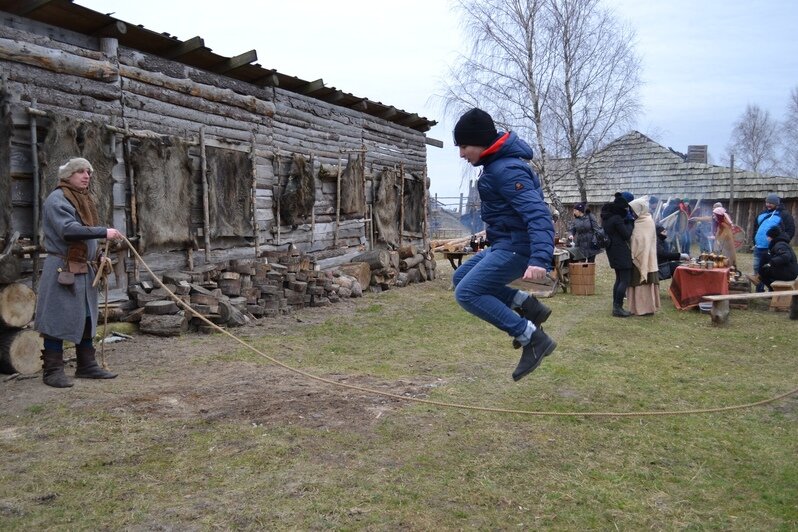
[(61, 311)]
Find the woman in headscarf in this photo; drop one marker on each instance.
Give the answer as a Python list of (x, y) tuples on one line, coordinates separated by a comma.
[(724, 236), (618, 228), (66, 306), (643, 291)]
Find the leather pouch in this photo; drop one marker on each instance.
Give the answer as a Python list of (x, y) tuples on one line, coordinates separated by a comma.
[(66, 278)]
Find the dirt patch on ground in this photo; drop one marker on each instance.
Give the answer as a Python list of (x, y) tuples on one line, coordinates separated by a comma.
[(181, 378)]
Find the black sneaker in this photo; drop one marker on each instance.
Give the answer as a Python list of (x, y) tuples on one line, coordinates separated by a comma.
[(533, 353), (535, 311)]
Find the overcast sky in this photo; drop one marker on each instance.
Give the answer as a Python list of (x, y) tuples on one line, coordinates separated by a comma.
[(703, 60)]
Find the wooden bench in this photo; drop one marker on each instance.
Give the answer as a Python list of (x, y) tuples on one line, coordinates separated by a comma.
[(777, 302), (720, 303)]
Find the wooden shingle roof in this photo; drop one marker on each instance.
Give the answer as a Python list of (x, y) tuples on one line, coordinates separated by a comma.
[(636, 163)]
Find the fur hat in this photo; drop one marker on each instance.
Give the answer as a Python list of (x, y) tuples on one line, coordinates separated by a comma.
[(773, 199), (76, 164), (628, 196), (475, 128), (581, 207), (720, 211), (774, 231)]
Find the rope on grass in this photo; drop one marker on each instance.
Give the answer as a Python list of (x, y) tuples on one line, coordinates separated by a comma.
[(459, 406)]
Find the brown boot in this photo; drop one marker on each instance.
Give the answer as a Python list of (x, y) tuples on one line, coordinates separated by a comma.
[(53, 369), (87, 365)]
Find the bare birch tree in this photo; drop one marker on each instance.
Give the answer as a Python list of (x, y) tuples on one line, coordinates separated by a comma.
[(754, 140), (562, 72), (789, 136)]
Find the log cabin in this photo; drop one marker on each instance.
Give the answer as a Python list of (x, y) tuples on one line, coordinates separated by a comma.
[(198, 157)]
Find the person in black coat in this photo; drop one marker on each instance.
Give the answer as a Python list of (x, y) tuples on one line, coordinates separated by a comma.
[(781, 263), (618, 227), (667, 260)]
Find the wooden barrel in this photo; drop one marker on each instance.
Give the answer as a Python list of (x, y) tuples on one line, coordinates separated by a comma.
[(20, 351), (17, 304)]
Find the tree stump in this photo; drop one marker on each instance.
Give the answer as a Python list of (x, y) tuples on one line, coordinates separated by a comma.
[(20, 351)]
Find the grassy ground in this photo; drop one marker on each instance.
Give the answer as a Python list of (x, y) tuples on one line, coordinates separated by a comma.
[(76, 464)]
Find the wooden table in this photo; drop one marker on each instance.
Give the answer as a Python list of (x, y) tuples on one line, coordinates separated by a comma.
[(456, 256), (689, 285)]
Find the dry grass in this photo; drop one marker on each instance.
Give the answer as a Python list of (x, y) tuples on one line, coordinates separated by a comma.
[(265, 449)]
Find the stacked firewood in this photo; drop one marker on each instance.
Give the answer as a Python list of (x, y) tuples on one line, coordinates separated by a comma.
[(234, 293), (456, 244), (383, 269)]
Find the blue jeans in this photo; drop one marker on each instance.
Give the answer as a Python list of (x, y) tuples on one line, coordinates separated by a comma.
[(760, 258), (480, 287)]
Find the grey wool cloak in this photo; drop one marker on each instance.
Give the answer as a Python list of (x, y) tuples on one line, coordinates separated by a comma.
[(61, 311)]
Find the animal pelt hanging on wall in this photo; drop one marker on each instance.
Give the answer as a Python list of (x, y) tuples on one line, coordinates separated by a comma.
[(229, 193), (413, 199), (163, 175), (353, 200), (6, 126), (386, 206), (67, 138), (299, 195)]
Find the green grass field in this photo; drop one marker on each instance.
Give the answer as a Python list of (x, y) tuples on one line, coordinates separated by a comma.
[(80, 464)]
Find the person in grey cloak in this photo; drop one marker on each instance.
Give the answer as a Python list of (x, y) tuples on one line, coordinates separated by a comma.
[(66, 304)]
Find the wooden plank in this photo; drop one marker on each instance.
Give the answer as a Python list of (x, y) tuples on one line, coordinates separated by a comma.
[(753, 295)]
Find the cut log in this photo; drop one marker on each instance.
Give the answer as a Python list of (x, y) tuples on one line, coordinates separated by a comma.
[(377, 259), (161, 307), (20, 351), (359, 270), (166, 325), (406, 264), (409, 250), (17, 304)]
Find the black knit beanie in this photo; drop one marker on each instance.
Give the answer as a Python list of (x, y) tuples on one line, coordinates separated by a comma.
[(475, 128)]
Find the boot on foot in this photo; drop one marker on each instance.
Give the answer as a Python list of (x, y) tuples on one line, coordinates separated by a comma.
[(87, 365), (619, 312), (533, 353), (53, 369)]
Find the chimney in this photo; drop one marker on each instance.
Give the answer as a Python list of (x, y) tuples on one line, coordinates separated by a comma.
[(697, 154)]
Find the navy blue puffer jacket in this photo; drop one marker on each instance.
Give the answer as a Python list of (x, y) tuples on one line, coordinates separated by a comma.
[(513, 207)]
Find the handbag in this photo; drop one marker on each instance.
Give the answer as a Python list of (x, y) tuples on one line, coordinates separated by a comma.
[(600, 239)]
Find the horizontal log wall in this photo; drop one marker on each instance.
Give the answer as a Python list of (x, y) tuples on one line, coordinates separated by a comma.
[(66, 73)]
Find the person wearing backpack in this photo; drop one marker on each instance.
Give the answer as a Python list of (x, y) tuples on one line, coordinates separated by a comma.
[(618, 227)]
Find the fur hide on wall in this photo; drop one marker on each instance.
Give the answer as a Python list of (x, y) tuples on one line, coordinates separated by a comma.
[(352, 195), (386, 206), (299, 195), (162, 171), (230, 193)]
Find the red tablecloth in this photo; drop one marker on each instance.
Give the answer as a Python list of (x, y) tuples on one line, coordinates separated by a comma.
[(689, 285)]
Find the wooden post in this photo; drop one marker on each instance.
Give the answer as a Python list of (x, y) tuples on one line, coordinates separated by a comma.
[(131, 206), (401, 203), (206, 217), (34, 155), (731, 186), (425, 228), (254, 194), (276, 194), (312, 209), (337, 202)]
